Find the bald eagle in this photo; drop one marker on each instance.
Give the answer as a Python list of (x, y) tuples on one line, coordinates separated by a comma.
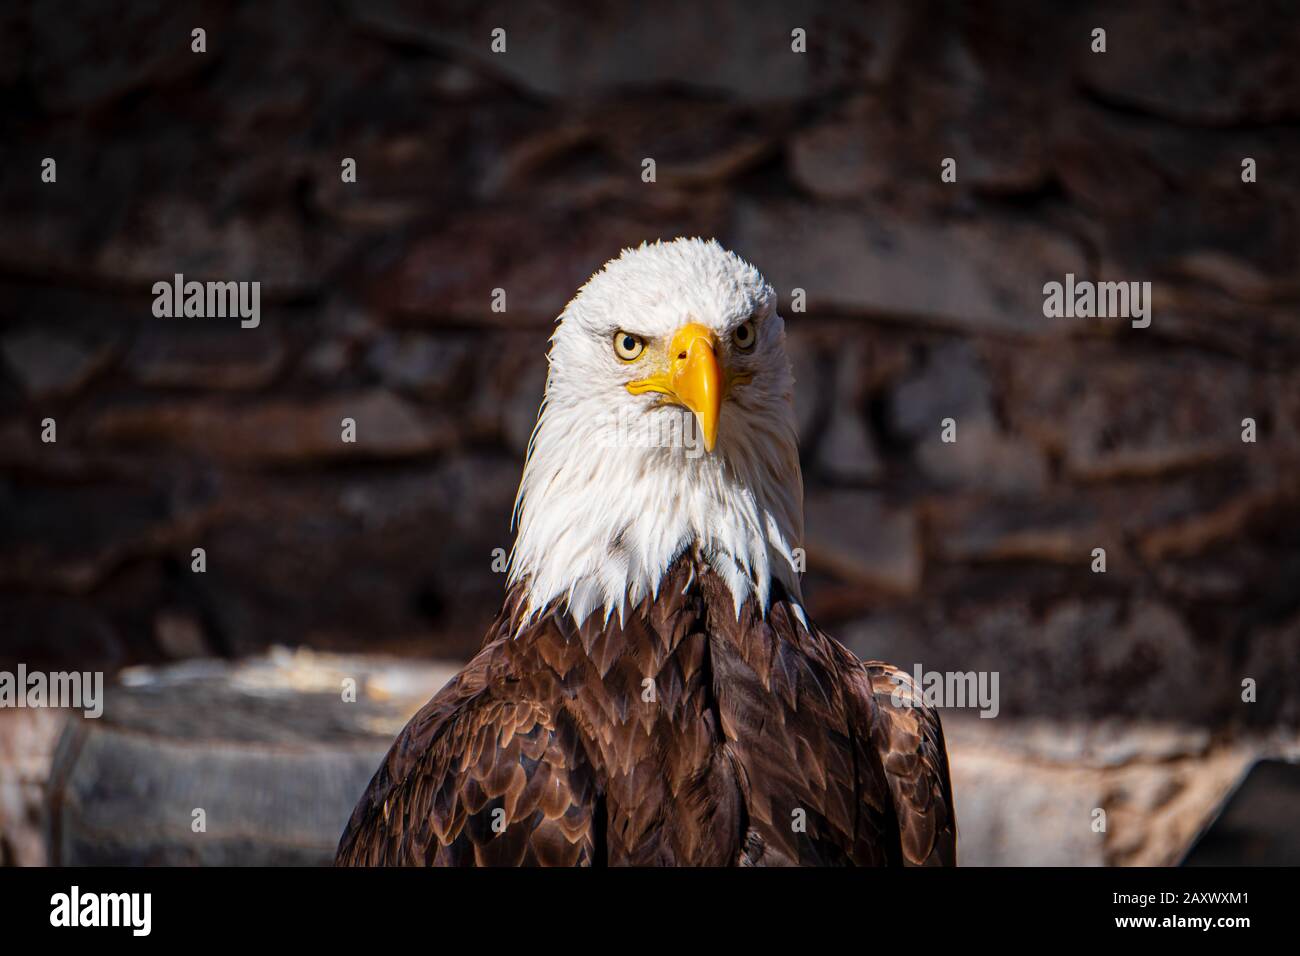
[(652, 692)]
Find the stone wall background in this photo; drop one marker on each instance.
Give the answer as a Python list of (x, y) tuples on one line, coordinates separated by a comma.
[(522, 171)]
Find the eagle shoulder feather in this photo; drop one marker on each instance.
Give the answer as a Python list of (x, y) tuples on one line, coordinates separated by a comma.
[(485, 774), (907, 738)]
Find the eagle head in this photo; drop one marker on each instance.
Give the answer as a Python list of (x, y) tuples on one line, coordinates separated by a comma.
[(667, 427)]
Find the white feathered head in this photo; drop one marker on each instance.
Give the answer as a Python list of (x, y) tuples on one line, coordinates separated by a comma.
[(667, 427)]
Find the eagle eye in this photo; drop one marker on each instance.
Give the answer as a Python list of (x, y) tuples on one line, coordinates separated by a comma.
[(627, 346), (745, 335)]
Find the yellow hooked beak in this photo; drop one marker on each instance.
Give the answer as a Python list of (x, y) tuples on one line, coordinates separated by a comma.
[(694, 378)]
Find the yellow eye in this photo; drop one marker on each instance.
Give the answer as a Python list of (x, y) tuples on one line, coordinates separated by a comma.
[(627, 346), (745, 336)]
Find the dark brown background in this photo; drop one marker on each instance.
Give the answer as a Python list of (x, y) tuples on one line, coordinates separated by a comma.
[(522, 171)]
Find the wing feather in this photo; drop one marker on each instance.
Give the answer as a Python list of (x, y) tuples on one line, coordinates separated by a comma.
[(486, 774), (907, 738)]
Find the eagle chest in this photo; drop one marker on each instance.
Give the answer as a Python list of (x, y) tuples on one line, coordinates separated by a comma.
[(703, 758)]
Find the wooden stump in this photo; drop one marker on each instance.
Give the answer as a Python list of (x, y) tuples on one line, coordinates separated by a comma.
[(267, 754)]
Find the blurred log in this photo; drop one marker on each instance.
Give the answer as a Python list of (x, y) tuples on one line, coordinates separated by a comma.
[(215, 763), (1029, 792), (276, 759)]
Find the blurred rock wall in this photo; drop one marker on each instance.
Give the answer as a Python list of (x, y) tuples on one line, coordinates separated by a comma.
[(522, 171)]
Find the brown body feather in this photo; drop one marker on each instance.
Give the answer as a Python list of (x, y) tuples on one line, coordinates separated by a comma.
[(682, 736)]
